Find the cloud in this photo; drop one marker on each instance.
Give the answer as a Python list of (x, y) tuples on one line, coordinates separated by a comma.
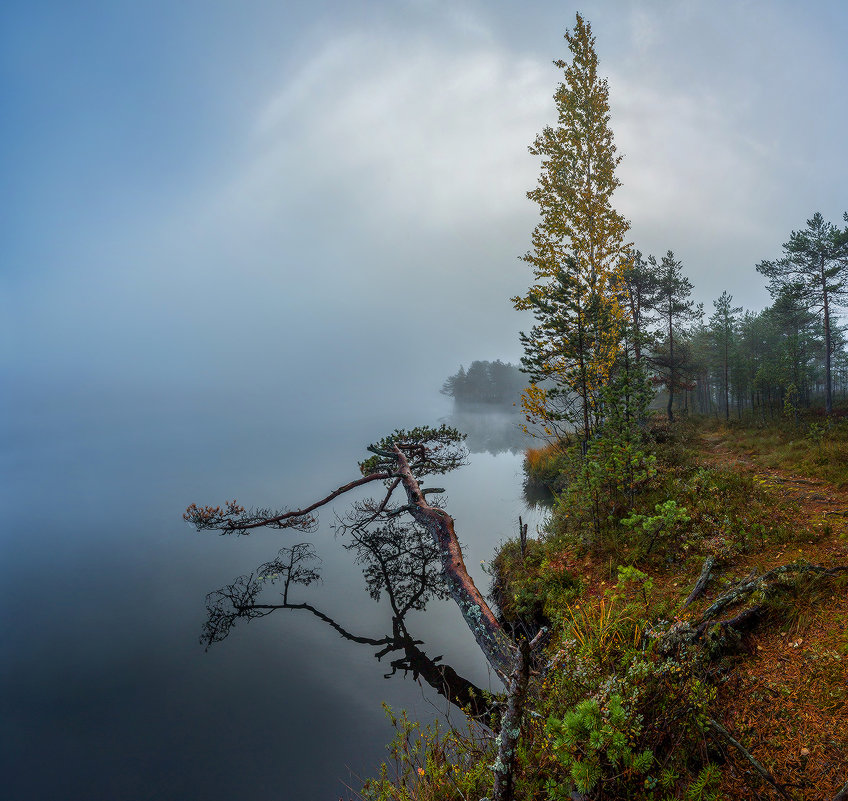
[(686, 159), (380, 181), (644, 31), (410, 139), (408, 131), (384, 176)]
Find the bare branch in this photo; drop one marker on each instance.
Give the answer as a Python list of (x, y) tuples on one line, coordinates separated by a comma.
[(401, 458), (235, 519), (328, 620), (748, 756)]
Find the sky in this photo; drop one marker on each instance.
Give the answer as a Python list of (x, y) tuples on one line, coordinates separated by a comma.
[(271, 200)]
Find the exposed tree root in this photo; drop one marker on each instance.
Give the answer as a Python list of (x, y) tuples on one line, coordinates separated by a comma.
[(765, 585)]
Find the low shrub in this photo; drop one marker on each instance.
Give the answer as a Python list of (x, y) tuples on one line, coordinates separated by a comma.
[(633, 729), (428, 763), (528, 587)]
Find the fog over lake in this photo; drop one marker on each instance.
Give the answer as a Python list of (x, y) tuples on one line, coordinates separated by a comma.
[(106, 691), (239, 242)]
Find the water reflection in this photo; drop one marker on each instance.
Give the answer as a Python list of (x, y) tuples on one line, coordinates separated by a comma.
[(490, 429), (538, 495), (399, 562), (493, 429), (114, 693)]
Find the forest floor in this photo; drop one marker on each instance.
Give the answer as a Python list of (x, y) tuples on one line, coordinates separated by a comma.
[(787, 700)]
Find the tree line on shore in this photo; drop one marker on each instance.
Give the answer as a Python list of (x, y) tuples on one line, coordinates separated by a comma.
[(631, 321), (609, 322), (791, 355), (495, 383)]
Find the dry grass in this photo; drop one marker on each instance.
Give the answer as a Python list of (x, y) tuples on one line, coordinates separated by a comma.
[(816, 449)]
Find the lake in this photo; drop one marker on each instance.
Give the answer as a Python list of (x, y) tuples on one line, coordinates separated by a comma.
[(106, 691)]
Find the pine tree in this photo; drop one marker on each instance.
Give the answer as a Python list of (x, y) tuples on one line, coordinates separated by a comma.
[(814, 264), (674, 306), (638, 286), (798, 339), (723, 326), (571, 350), (578, 249)]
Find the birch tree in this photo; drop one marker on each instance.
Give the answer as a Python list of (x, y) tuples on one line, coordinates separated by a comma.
[(578, 248)]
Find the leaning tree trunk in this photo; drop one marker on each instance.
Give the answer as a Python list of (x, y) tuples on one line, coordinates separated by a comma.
[(490, 636)]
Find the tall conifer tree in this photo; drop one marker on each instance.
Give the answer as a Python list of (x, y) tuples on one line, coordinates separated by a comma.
[(815, 266), (675, 308), (638, 287), (722, 328), (578, 249)]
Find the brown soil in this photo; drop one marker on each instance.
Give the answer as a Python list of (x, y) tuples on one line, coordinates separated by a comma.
[(787, 701)]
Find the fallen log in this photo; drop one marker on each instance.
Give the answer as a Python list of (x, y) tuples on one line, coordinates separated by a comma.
[(766, 584)]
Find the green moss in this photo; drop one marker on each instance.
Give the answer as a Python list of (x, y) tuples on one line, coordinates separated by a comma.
[(526, 587)]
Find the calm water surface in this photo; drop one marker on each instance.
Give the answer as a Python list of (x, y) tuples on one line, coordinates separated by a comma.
[(106, 692)]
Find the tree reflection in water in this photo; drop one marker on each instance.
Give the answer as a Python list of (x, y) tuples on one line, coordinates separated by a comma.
[(490, 429), (400, 562)]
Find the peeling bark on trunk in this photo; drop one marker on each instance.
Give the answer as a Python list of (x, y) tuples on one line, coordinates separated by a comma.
[(492, 639)]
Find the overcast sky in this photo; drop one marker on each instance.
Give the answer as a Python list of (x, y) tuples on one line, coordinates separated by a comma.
[(292, 195)]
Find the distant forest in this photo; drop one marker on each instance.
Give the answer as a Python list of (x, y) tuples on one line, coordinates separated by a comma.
[(495, 383), (789, 356)]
